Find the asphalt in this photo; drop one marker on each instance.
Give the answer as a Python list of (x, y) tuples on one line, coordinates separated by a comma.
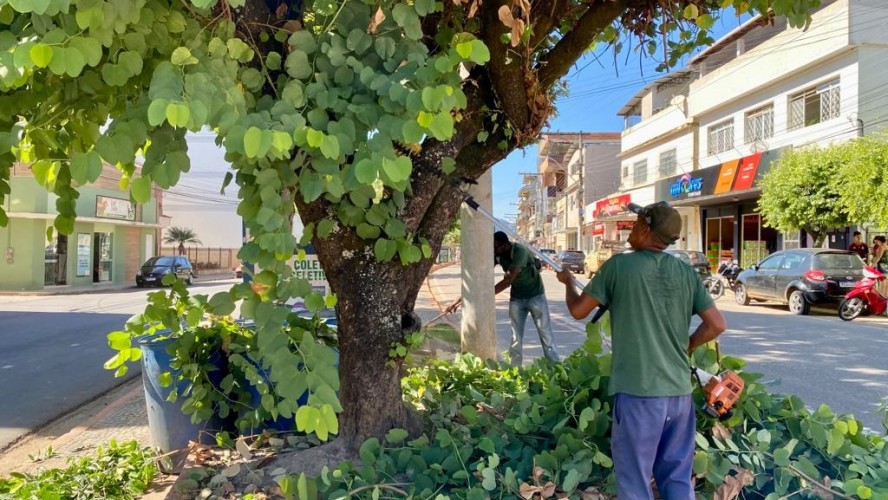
[(121, 413)]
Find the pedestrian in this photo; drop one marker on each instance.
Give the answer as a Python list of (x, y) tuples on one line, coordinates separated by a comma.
[(526, 295), (858, 246), (651, 297), (880, 256)]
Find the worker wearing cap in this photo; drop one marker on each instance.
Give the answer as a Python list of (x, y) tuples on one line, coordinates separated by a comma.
[(651, 297)]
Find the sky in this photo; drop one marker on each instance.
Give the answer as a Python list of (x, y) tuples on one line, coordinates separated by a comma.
[(598, 87)]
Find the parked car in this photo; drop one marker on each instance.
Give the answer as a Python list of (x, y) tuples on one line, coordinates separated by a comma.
[(548, 252), (155, 268), (695, 259), (572, 260), (800, 278)]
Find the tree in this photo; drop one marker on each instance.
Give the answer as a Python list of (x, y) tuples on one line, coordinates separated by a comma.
[(863, 182), (362, 117), (802, 191), (181, 236)]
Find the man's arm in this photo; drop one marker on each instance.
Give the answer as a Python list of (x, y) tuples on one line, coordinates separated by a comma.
[(504, 283), (579, 304), (712, 326)]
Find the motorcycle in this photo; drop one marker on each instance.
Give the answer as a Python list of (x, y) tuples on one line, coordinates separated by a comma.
[(725, 277), (865, 296)]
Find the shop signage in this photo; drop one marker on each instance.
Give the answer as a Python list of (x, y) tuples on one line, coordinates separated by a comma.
[(734, 175), (625, 225), (115, 208), (612, 206), (687, 186), (598, 229), (746, 173)]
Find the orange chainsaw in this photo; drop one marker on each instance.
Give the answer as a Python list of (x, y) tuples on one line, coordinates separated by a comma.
[(720, 392)]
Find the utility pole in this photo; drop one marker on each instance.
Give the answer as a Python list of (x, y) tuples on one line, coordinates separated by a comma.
[(581, 195)]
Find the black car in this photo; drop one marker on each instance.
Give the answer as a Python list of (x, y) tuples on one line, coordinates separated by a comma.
[(693, 258), (800, 278), (571, 259), (155, 268)]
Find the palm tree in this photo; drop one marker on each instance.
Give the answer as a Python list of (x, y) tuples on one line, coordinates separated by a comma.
[(181, 235)]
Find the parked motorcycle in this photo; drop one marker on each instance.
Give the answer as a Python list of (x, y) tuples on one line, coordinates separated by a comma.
[(725, 277), (865, 296)]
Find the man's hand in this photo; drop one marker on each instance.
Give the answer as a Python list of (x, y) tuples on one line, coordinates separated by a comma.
[(453, 307), (565, 276)]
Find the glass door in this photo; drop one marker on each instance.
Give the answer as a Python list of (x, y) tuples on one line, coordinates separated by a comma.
[(719, 240), (101, 257)]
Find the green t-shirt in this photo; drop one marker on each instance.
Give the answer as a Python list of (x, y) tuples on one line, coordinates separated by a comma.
[(651, 297), (528, 283)]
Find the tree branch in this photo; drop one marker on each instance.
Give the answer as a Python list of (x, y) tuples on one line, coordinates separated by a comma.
[(506, 68), (557, 62)]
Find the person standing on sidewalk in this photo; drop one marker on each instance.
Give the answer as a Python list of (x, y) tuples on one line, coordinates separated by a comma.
[(527, 295), (858, 246), (651, 297)]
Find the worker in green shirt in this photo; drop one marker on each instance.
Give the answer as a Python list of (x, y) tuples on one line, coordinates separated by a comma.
[(651, 297), (527, 295)]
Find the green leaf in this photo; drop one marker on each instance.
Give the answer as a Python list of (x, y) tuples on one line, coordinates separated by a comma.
[(442, 126), (366, 171), (157, 112), (253, 142), (424, 7), (86, 167), (325, 227), (691, 12), (385, 249), (303, 41), (396, 436), (480, 53), (41, 55), (178, 114), (90, 48), (835, 441), (571, 481), (330, 147), (705, 21), (368, 231), (398, 169), (315, 138), (298, 66), (182, 57), (448, 165), (141, 189)]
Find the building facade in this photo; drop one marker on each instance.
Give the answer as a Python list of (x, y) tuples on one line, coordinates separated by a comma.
[(112, 236), (573, 170), (704, 136)]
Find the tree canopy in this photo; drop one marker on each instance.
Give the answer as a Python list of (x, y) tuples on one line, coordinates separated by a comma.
[(360, 116), (821, 188)]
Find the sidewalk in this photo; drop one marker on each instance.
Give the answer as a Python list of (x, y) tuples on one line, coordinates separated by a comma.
[(121, 413), (205, 276)]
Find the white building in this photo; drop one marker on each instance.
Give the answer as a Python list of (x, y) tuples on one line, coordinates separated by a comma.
[(702, 137)]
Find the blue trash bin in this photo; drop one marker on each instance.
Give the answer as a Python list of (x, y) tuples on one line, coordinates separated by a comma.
[(170, 428)]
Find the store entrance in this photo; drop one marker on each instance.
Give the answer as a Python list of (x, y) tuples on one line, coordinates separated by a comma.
[(719, 240), (101, 257), (56, 262)]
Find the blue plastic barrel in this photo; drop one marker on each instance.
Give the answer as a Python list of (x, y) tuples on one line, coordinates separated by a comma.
[(170, 428)]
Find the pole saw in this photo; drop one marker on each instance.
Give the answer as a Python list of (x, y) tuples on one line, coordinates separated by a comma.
[(514, 236)]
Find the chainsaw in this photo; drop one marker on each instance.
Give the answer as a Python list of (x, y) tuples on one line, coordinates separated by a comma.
[(720, 392)]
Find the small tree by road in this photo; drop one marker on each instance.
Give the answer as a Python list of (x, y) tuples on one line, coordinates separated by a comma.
[(863, 183), (181, 235), (802, 191)]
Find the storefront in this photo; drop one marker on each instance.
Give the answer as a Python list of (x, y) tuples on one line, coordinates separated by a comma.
[(112, 237), (610, 221), (726, 196)]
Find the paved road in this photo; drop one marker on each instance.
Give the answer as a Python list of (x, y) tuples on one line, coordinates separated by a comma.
[(819, 358), (52, 349)]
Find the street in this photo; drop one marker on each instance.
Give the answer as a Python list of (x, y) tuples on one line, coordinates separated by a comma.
[(52, 348), (819, 357)]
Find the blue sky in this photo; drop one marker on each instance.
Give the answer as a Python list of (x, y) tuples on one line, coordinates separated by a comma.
[(598, 88)]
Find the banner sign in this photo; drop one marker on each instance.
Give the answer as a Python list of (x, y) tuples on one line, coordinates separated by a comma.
[(734, 175), (612, 206), (115, 208)]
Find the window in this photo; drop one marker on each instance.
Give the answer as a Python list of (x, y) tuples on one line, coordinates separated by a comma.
[(792, 262), (814, 105), (667, 163), (625, 171), (640, 172), (759, 124), (721, 137), (772, 263), (791, 240)]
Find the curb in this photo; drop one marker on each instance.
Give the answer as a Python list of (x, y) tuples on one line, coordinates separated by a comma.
[(97, 289)]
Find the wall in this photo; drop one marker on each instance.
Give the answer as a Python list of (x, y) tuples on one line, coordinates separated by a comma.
[(778, 58), (662, 123), (873, 99), (838, 129), (684, 158), (28, 246)]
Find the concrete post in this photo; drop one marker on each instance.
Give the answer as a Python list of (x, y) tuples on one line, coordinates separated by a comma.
[(478, 330)]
